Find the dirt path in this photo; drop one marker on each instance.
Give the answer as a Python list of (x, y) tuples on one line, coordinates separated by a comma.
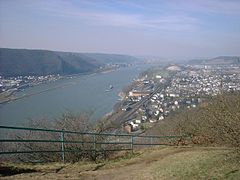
[(139, 168)]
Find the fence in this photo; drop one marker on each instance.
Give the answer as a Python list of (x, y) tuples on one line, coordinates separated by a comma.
[(89, 141)]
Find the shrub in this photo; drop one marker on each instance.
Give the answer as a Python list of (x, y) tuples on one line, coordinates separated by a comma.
[(70, 122), (215, 122)]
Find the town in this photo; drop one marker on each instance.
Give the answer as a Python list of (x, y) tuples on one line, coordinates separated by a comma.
[(10, 85), (164, 90), (21, 82)]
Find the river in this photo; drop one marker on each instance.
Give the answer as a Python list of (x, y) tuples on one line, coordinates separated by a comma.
[(79, 94)]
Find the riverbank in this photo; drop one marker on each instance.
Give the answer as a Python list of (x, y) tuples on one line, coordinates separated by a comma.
[(36, 93)]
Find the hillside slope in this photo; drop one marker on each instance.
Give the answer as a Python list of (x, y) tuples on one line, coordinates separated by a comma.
[(216, 121), (15, 62)]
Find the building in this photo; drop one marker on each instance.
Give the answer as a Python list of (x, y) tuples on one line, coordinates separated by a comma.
[(137, 94), (127, 128)]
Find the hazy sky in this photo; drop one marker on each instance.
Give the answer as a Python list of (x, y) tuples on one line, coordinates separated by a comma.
[(166, 28)]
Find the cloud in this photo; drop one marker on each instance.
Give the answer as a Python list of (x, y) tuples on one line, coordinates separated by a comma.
[(174, 23), (225, 7), (119, 19), (207, 6), (221, 6)]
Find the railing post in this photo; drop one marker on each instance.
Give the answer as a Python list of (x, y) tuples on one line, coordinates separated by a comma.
[(151, 140), (62, 147), (94, 145), (132, 143)]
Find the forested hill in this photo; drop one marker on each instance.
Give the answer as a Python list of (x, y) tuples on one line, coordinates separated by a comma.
[(14, 62)]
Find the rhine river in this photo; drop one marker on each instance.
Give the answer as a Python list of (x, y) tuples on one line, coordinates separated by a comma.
[(80, 94)]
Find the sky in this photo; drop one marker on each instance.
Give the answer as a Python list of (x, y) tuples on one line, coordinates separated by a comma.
[(164, 28)]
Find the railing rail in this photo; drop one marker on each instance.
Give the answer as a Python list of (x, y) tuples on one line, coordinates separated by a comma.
[(131, 140)]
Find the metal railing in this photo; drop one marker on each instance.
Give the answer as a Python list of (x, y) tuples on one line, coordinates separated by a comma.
[(96, 141)]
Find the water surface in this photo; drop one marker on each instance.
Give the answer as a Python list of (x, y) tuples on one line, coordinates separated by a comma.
[(82, 93)]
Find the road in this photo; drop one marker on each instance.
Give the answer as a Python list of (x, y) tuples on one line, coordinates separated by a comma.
[(127, 116)]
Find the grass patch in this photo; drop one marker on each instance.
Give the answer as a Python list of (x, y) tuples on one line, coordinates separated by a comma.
[(198, 164)]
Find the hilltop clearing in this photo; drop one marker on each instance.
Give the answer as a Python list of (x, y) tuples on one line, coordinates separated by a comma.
[(159, 163)]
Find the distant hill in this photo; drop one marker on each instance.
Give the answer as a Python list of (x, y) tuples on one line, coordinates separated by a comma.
[(224, 60), (14, 62), (221, 60)]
